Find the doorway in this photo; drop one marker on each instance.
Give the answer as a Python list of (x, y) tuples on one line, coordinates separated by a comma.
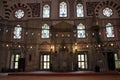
[(111, 60)]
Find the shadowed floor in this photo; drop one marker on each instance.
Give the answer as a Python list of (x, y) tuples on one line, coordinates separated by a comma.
[(61, 76)]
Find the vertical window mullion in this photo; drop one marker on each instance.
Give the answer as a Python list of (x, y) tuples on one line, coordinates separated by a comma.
[(14, 61), (82, 61), (46, 62)]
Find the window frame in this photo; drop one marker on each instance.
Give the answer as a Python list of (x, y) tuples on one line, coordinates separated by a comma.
[(21, 34), (45, 30), (43, 61), (81, 30), (117, 61), (83, 10), (14, 61), (85, 54), (113, 30), (43, 11), (66, 9)]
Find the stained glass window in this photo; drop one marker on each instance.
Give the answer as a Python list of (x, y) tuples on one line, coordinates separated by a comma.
[(45, 31), (19, 14), (46, 11), (17, 32), (81, 31), (107, 12), (80, 10), (109, 30), (63, 9)]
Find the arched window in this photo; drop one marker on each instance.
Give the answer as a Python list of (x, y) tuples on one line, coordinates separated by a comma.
[(81, 31), (109, 30), (45, 31), (17, 32), (80, 10), (63, 9), (46, 11)]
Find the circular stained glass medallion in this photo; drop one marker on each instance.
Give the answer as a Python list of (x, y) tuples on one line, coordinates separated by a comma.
[(107, 12), (19, 14)]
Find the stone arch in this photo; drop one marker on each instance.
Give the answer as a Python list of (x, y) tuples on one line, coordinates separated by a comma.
[(107, 3), (7, 11)]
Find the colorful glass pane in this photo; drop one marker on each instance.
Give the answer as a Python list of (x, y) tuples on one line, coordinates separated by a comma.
[(45, 31), (46, 11), (80, 11), (17, 32), (109, 30), (63, 9), (107, 12), (81, 31), (19, 14)]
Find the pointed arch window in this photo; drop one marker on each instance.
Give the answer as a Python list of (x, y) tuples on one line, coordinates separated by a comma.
[(80, 10), (81, 31), (45, 31), (63, 9), (109, 30), (17, 32), (46, 11)]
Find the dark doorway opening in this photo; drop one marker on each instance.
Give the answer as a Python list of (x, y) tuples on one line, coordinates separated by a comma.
[(111, 60)]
